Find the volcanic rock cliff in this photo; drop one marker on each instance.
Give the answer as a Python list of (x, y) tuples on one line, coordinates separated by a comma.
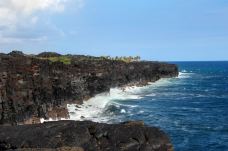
[(33, 87)]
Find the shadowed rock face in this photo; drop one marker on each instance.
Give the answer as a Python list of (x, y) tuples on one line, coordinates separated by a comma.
[(83, 136), (32, 88)]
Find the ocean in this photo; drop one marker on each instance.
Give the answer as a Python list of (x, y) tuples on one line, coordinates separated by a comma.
[(191, 108)]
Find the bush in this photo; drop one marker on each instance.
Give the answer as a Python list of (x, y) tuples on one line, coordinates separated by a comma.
[(48, 54)]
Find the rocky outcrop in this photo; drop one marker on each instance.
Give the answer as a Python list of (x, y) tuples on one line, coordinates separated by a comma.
[(32, 88), (83, 136)]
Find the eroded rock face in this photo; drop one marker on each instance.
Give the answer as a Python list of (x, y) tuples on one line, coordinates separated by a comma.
[(83, 136), (32, 88)]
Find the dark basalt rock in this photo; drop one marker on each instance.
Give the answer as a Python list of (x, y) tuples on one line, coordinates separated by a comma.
[(83, 136), (33, 88)]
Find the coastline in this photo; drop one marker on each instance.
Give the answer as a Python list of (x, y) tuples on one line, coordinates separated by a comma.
[(85, 110), (34, 89), (94, 108)]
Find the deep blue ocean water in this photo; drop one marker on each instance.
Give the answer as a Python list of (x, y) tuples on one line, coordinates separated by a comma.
[(192, 108)]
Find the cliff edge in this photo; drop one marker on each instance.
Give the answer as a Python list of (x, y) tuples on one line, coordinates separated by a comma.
[(34, 87)]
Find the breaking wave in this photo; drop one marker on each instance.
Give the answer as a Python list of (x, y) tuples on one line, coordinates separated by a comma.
[(104, 107), (107, 106), (184, 74)]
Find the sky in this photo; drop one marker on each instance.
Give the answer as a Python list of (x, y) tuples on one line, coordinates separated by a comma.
[(163, 30)]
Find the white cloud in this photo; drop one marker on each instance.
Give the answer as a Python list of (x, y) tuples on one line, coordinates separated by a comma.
[(17, 16), (12, 12)]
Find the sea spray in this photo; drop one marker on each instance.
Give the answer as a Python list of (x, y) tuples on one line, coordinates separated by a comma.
[(101, 107), (96, 108), (93, 108)]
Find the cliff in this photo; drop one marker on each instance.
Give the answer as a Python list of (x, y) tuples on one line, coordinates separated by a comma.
[(83, 136), (34, 87)]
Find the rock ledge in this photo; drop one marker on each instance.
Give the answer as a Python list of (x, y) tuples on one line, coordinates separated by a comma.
[(83, 136)]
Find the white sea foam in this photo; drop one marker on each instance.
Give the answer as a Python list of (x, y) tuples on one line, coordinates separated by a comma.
[(42, 120), (94, 108), (184, 74), (152, 94), (123, 111)]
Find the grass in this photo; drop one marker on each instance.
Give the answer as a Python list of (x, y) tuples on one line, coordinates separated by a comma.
[(63, 59), (67, 59)]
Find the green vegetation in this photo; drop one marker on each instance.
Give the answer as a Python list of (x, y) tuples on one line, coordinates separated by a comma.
[(124, 59), (63, 59), (67, 59)]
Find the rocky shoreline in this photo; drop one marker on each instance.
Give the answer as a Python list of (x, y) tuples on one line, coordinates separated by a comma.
[(32, 88), (84, 136), (40, 86)]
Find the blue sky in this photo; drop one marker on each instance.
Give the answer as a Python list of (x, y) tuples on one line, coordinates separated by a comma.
[(166, 30)]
